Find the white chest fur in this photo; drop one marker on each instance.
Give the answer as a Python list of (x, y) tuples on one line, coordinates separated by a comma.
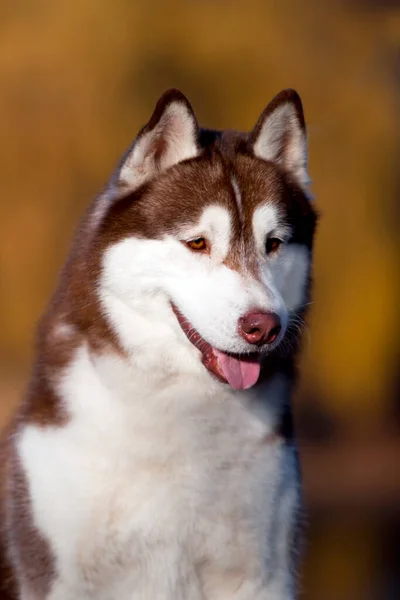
[(174, 494)]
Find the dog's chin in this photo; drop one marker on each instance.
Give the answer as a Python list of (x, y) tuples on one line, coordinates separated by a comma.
[(240, 372)]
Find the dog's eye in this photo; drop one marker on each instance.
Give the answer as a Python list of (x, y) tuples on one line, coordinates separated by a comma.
[(200, 244), (272, 245)]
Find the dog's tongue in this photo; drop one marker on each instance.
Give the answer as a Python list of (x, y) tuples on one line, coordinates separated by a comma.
[(240, 374)]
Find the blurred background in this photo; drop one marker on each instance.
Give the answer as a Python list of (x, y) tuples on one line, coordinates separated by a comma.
[(77, 80)]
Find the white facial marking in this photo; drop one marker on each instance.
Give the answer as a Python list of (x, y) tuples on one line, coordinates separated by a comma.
[(215, 225), (267, 221), (238, 197)]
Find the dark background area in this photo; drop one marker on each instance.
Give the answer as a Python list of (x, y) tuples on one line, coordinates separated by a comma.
[(78, 79)]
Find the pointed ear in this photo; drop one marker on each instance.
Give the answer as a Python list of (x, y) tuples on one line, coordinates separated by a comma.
[(280, 135), (168, 138)]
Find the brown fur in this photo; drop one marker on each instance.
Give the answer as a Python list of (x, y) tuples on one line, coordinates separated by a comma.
[(8, 587), (21, 545)]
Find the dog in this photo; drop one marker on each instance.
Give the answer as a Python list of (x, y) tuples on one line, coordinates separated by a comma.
[(153, 456)]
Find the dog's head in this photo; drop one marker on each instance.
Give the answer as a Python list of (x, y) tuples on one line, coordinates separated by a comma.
[(218, 225)]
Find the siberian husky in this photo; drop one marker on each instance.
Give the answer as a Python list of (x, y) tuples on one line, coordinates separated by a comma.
[(153, 456)]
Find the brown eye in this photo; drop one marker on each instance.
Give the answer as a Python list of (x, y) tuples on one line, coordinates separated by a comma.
[(199, 244), (272, 245)]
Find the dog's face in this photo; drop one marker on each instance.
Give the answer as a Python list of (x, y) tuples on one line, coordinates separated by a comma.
[(220, 227)]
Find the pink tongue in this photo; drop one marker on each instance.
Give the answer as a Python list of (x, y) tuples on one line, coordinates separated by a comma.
[(240, 374)]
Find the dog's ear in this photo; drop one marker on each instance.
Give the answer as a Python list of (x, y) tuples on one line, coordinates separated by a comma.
[(168, 138), (280, 135)]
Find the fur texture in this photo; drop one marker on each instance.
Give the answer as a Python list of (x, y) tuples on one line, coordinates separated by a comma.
[(133, 470)]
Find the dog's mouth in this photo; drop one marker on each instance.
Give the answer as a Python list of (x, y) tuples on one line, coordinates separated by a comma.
[(239, 372)]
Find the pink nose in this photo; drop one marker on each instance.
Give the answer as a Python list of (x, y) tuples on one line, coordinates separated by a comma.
[(259, 328)]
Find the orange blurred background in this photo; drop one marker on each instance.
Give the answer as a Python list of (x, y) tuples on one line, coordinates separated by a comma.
[(78, 79)]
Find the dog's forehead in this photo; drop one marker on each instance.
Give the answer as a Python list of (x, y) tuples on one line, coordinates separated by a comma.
[(259, 193), (240, 185), (259, 183)]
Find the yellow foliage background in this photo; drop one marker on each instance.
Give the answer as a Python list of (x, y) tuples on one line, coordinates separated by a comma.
[(78, 79)]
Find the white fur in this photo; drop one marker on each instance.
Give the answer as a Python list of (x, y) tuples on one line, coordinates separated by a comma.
[(282, 127), (180, 484), (238, 197), (215, 225), (267, 222)]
